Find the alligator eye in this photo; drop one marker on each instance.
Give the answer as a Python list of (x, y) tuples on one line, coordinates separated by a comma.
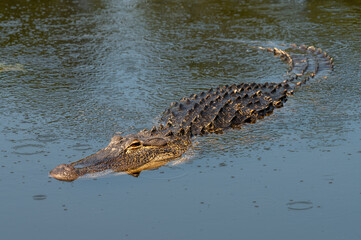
[(135, 144)]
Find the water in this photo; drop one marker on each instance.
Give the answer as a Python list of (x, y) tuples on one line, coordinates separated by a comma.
[(79, 71)]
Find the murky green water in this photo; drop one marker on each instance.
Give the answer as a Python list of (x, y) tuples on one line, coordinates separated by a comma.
[(78, 71)]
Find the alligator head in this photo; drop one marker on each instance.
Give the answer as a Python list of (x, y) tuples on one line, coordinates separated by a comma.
[(132, 154)]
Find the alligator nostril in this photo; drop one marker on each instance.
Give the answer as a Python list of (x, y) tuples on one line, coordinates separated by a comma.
[(64, 172)]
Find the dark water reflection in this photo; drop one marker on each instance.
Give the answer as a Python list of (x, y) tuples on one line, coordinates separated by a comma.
[(82, 70)]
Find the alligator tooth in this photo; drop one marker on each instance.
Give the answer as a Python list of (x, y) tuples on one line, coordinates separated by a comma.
[(240, 85), (254, 95), (245, 96), (195, 106), (253, 111), (208, 96), (225, 94), (210, 90), (202, 101), (259, 92), (173, 104), (161, 127), (274, 90), (302, 47), (188, 101), (257, 102), (249, 104), (202, 94)]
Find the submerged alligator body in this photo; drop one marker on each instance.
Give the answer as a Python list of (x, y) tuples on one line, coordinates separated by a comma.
[(213, 111)]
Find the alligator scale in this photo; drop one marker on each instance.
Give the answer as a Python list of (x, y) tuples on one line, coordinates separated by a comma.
[(213, 111)]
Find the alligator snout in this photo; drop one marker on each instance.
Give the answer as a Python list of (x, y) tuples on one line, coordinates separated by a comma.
[(64, 172)]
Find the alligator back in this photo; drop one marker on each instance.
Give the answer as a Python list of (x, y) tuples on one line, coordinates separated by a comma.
[(232, 106)]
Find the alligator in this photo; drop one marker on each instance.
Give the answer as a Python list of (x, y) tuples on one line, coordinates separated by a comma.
[(214, 111)]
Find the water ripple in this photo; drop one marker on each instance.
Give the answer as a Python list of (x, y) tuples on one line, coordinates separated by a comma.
[(28, 149), (300, 205)]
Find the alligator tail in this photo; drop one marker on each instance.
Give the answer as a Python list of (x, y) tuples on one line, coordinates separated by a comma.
[(305, 63)]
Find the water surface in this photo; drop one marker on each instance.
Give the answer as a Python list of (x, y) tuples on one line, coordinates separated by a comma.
[(79, 71)]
